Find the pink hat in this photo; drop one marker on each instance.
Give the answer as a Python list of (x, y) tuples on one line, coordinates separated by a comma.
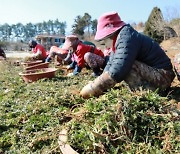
[(69, 41), (108, 23)]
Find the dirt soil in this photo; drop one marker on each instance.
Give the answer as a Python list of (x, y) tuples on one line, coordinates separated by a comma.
[(17, 54), (172, 47)]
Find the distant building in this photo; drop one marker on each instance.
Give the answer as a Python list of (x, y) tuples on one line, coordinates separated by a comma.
[(50, 40)]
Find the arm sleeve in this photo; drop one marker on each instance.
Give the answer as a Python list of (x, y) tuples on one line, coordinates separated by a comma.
[(38, 53), (109, 62), (127, 47)]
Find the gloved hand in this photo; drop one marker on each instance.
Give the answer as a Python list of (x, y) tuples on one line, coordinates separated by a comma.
[(70, 74), (68, 67)]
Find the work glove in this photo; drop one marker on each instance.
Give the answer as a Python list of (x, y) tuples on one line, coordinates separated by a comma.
[(70, 74), (68, 67)]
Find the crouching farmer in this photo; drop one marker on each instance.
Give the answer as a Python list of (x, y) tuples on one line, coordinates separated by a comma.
[(39, 52), (83, 55), (135, 58)]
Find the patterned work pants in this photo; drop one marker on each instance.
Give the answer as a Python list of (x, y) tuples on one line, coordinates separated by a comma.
[(142, 75), (93, 60)]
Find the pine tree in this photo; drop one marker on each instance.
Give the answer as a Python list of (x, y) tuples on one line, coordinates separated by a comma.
[(155, 25)]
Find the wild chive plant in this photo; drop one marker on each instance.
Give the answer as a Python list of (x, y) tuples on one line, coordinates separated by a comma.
[(120, 121)]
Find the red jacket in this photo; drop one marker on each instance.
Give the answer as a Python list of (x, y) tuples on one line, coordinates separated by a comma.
[(41, 48), (82, 49)]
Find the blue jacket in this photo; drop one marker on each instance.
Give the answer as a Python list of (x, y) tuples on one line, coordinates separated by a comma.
[(130, 46)]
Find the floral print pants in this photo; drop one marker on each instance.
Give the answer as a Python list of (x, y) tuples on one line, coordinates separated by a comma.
[(93, 60), (149, 77)]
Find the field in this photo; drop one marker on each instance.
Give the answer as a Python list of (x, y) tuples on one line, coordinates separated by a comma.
[(120, 121)]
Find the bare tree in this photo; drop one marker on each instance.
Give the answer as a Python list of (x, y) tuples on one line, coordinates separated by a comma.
[(171, 13), (172, 18)]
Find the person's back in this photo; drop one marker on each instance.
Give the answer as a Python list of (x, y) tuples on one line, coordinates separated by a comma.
[(39, 47), (89, 43), (148, 51), (131, 46)]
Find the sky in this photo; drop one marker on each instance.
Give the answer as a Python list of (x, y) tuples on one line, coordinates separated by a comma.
[(34, 11)]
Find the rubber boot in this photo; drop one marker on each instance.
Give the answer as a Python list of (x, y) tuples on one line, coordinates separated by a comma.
[(98, 86)]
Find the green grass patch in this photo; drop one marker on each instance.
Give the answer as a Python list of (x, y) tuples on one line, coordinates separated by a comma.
[(120, 121)]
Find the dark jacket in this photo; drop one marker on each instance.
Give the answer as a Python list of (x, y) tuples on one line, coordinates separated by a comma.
[(130, 46)]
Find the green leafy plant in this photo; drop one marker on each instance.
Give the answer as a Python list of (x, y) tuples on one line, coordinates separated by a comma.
[(120, 121)]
